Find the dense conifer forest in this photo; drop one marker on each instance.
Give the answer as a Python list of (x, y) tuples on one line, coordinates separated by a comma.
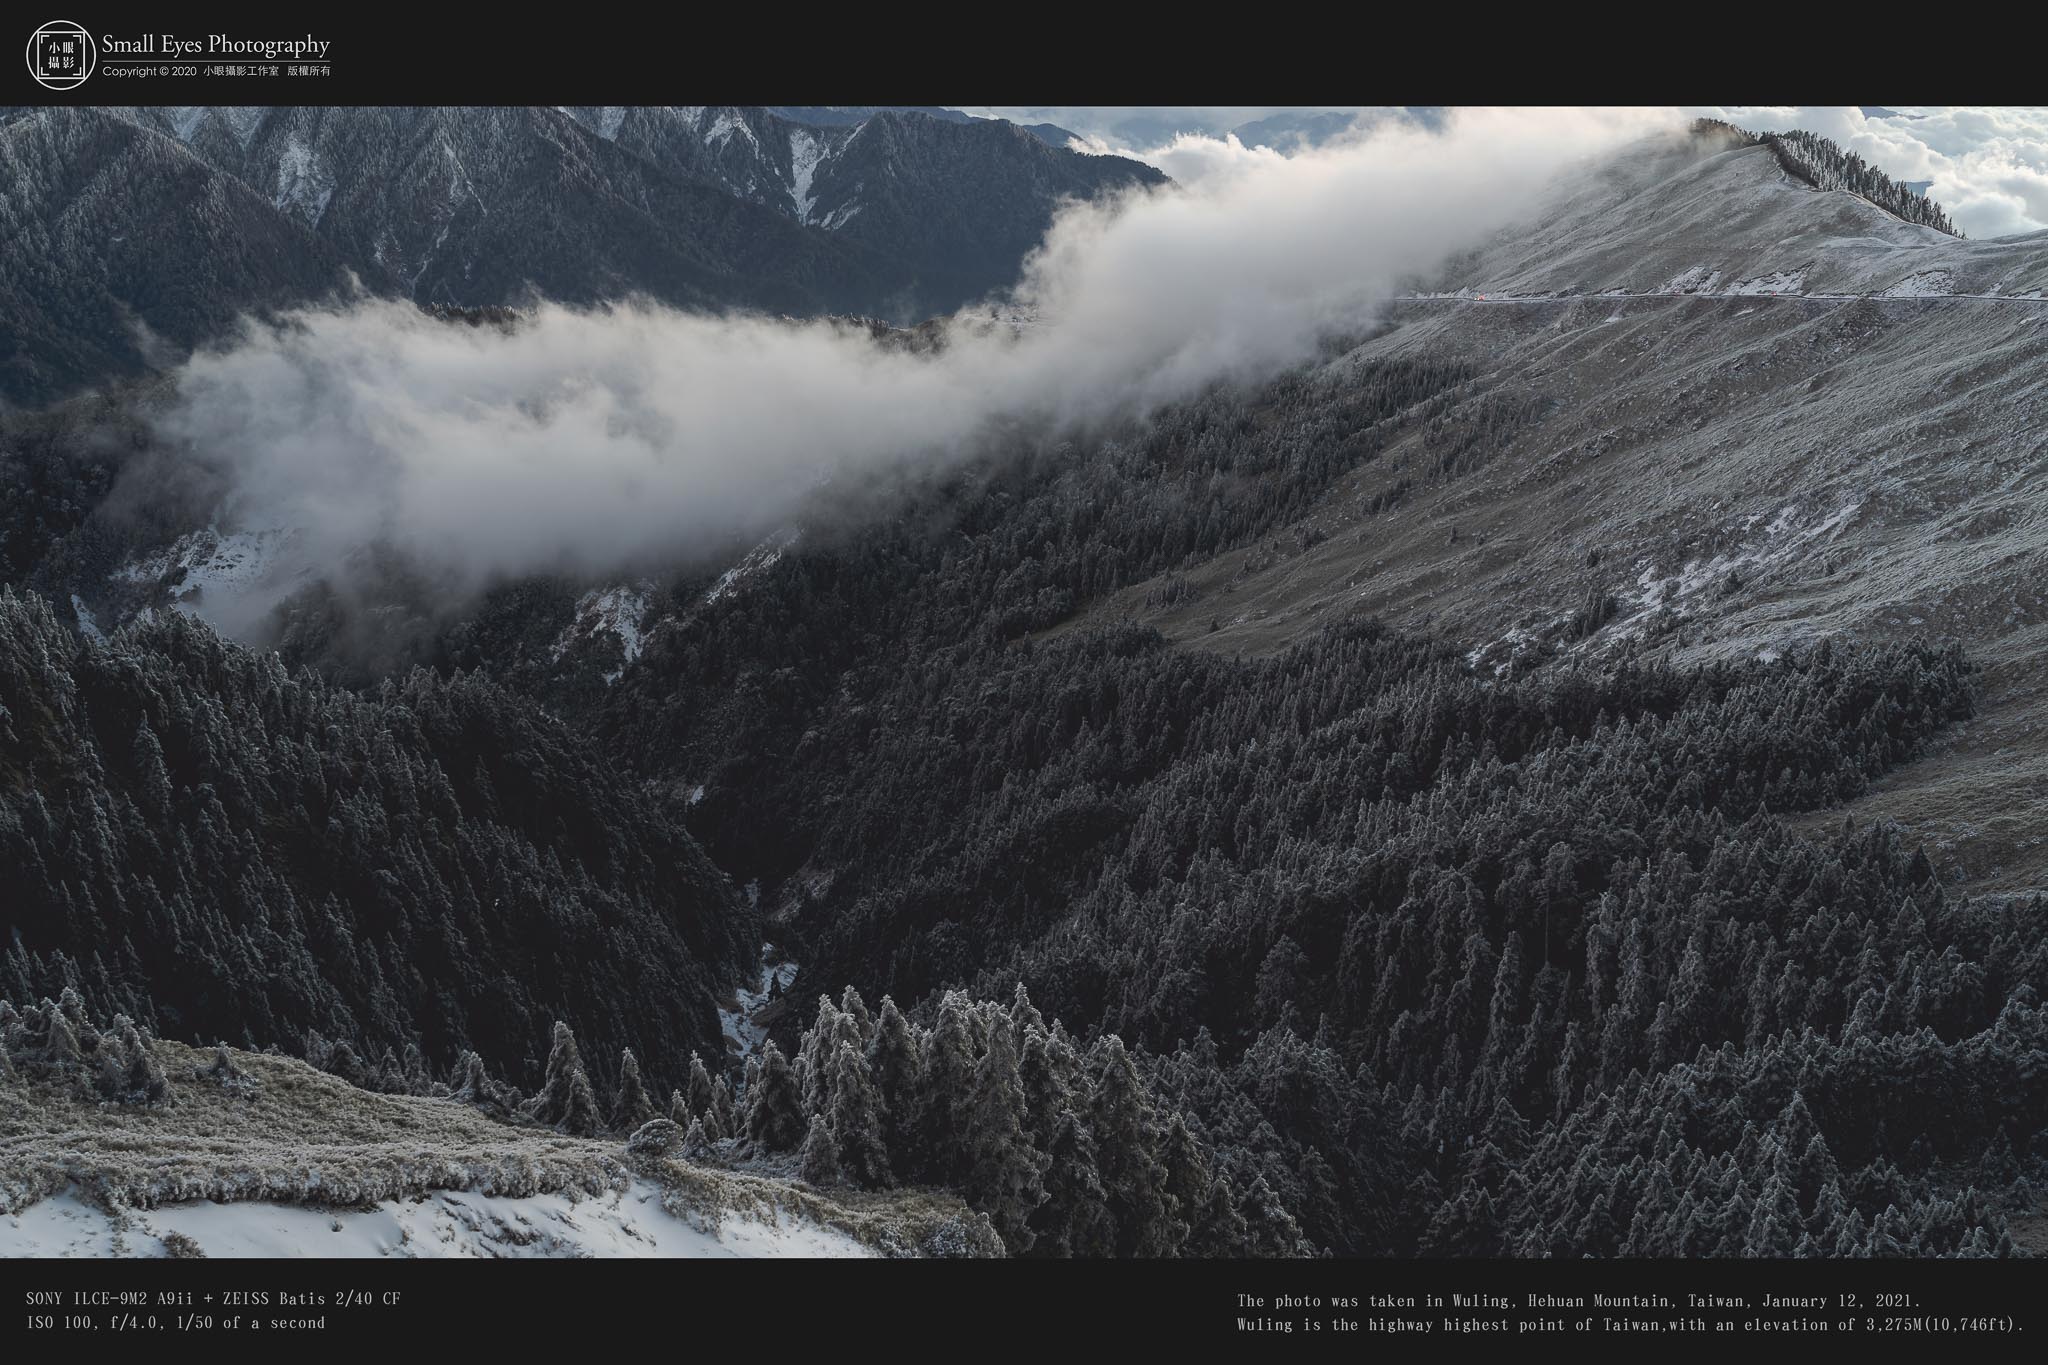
[(1362, 945), (1358, 947)]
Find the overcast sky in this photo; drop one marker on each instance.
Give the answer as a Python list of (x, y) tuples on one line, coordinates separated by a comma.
[(1988, 164)]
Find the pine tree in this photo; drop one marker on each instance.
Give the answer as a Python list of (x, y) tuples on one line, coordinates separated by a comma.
[(631, 1108), (153, 780), (696, 1143), (948, 1081), (819, 1163), (1189, 1182), (1005, 1174), (566, 1101), (1219, 1229), (700, 1087), (1074, 1220), (856, 1120), (775, 1115), (1127, 1137), (896, 1067), (1271, 1231), (473, 1085), (723, 1116)]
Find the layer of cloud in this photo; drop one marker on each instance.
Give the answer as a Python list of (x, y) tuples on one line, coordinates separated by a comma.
[(583, 441)]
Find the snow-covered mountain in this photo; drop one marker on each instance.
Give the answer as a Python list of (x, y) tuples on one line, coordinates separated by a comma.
[(899, 214)]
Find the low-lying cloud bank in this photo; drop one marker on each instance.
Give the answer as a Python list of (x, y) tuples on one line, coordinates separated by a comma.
[(582, 441)]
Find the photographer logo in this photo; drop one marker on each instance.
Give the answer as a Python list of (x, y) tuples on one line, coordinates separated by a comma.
[(60, 55)]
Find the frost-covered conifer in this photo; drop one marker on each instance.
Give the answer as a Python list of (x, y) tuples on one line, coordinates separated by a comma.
[(775, 1116), (857, 1120), (1127, 1139), (700, 1087), (948, 1083), (1005, 1174), (897, 1068), (631, 1108), (819, 1164), (566, 1100), (723, 1110)]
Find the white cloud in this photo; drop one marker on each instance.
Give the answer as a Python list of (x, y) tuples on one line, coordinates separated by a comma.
[(584, 439)]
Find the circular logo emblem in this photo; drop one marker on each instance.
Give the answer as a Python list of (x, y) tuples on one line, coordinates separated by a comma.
[(60, 55)]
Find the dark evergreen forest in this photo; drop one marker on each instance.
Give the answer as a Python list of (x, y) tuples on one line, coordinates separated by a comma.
[(1355, 947)]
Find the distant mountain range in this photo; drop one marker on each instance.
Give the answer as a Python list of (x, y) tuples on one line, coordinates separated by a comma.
[(137, 233)]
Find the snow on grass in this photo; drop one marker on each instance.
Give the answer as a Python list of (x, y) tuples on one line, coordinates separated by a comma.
[(761, 557), (1922, 284), (1777, 282), (270, 1167), (1784, 539), (630, 1222), (1697, 280)]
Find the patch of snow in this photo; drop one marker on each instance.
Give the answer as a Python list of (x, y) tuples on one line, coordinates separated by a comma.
[(1697, 280), (741, 1031), (1512, 645), (185, 119), (805, 153), (303, 183), (243, 120), (1786, 540), (1777, 282), (1922, 284), (619, 610), (761, 557), (209, 562), (840, 217), (87, 626), (632, 1222), (724, 126), (608, 120)]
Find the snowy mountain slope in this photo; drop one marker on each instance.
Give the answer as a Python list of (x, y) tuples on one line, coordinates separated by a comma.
[(1708, 477), (903, 215), (700, 205), (93, 206), (290, 1161), (1639, 220)]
